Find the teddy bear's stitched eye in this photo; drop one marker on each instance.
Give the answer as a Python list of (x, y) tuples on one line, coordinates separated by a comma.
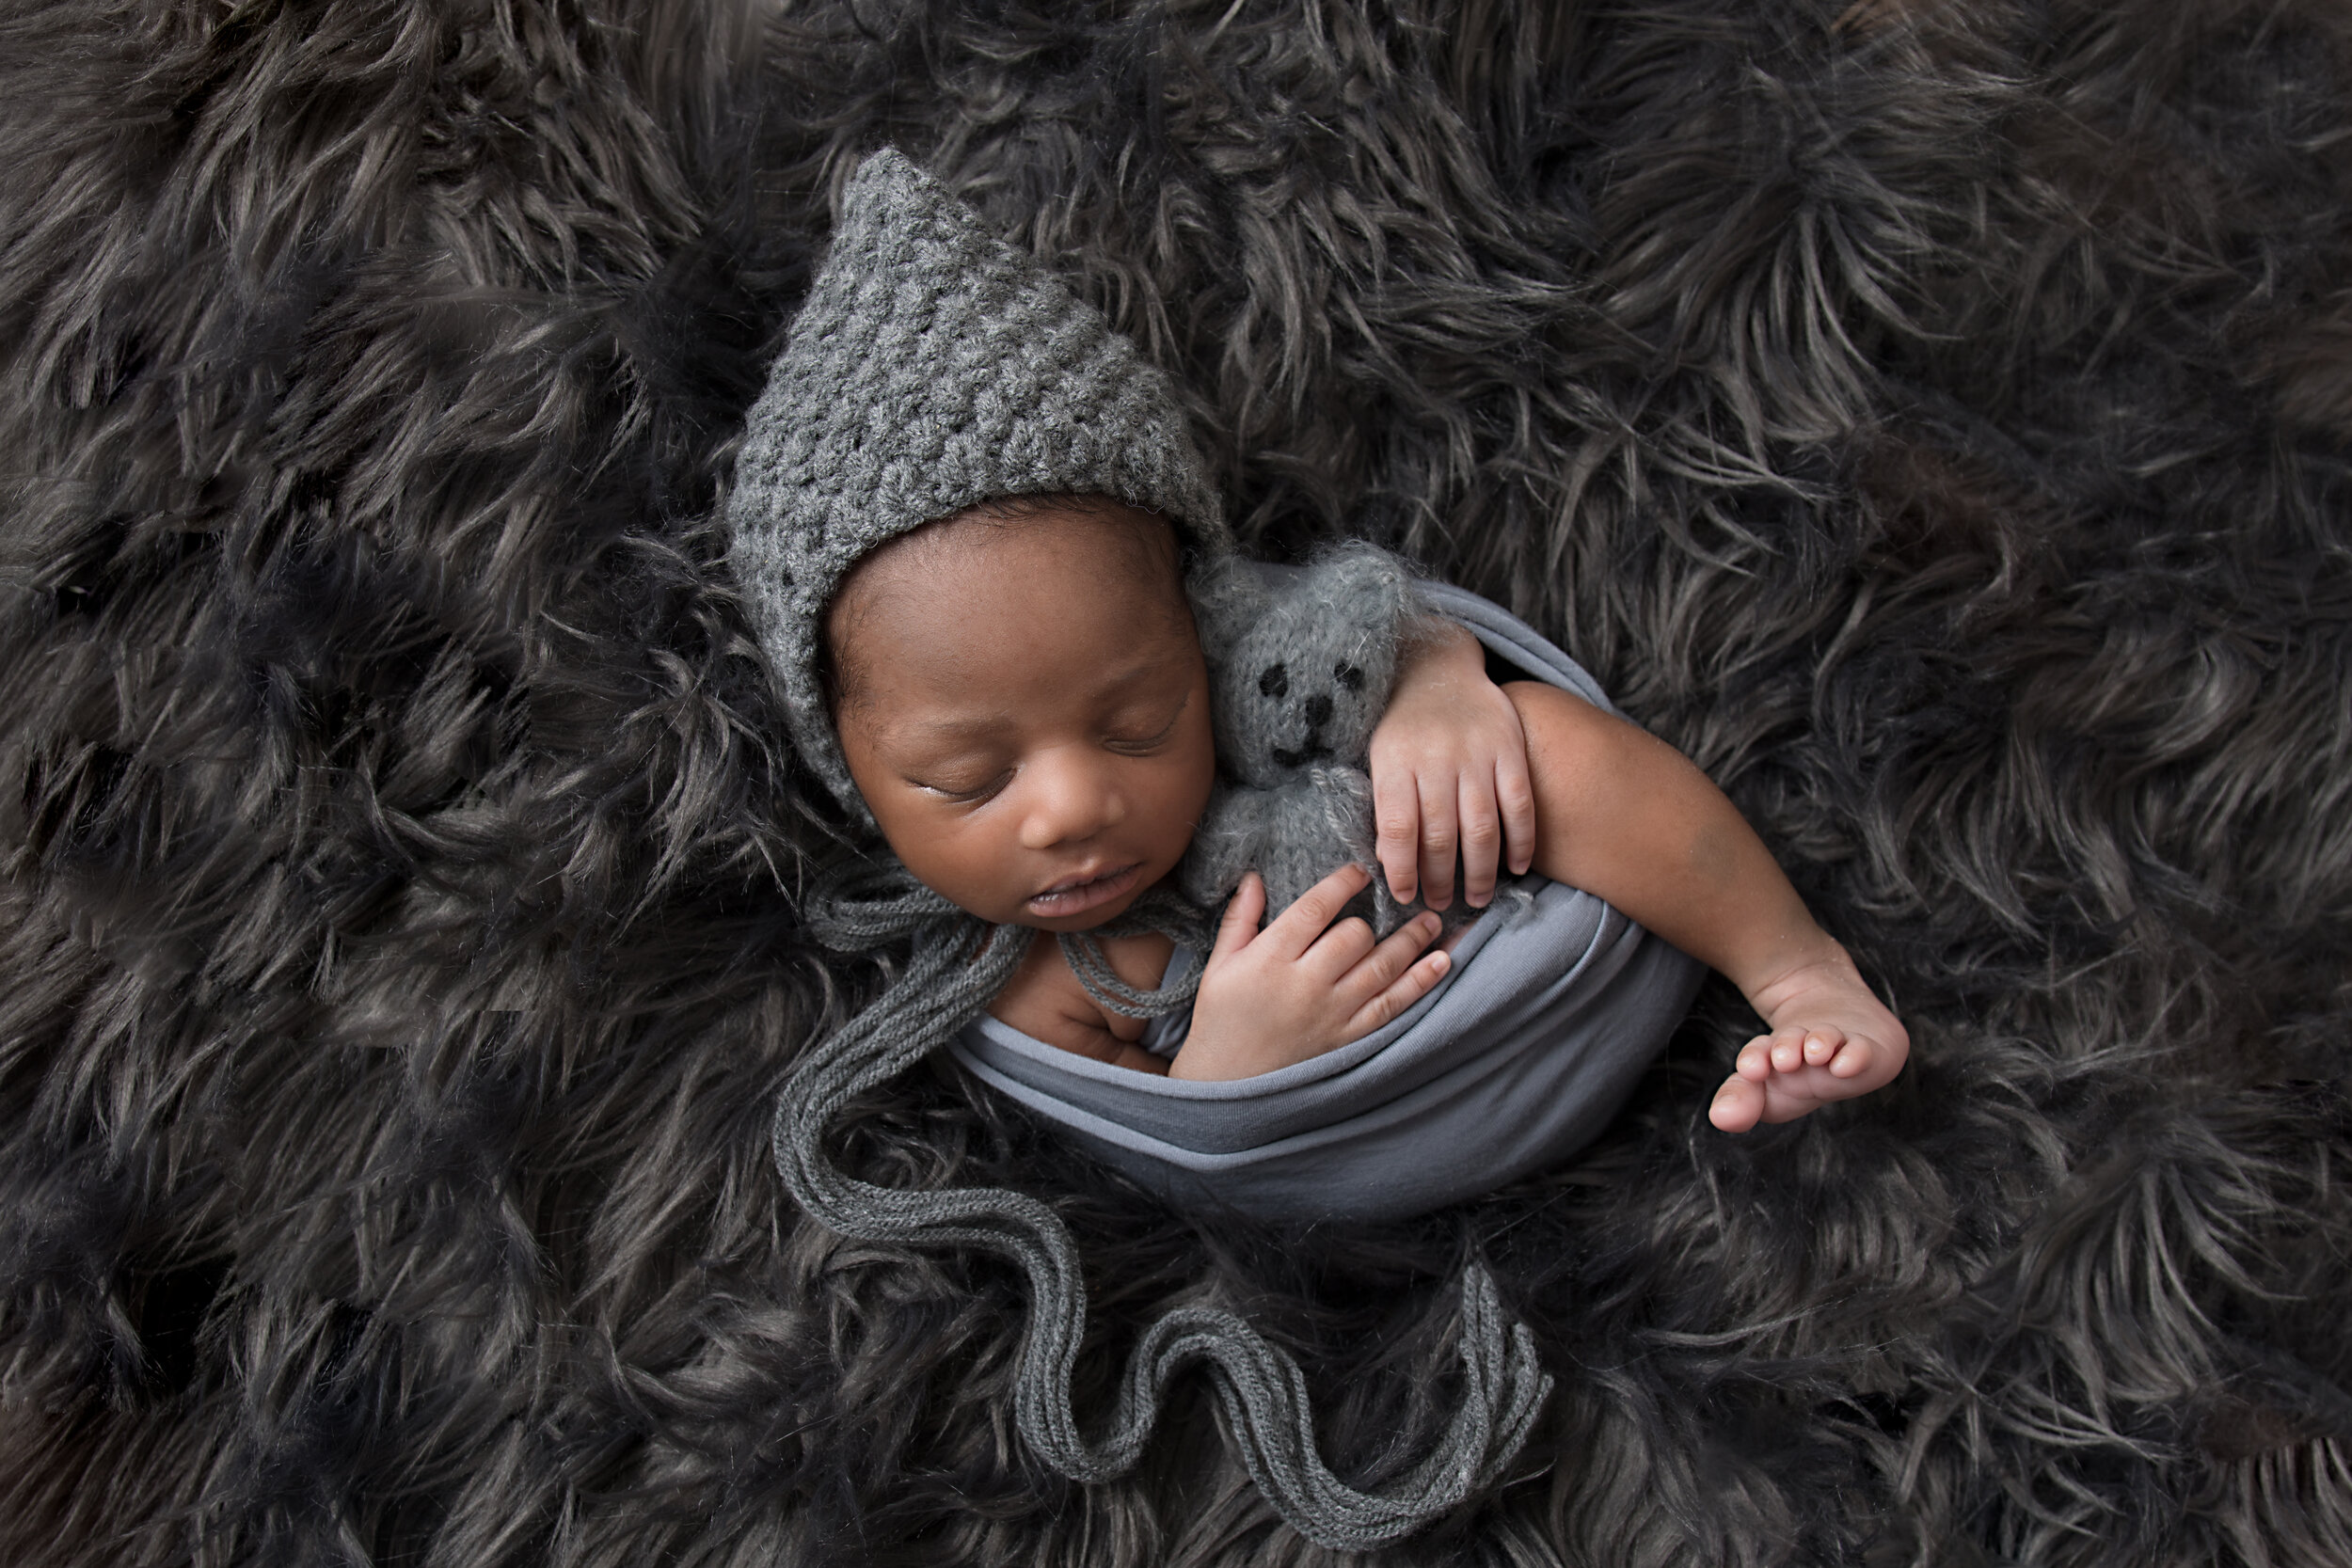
[(1350, 677), (1275, 681)]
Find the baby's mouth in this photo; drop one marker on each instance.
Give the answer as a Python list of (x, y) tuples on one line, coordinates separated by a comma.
[(1075, 895)]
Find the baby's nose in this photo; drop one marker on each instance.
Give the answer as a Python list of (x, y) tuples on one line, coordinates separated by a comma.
[(1065, 801), (1318, 708)]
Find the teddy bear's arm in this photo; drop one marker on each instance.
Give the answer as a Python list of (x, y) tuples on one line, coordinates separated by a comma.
[(1231, 840)]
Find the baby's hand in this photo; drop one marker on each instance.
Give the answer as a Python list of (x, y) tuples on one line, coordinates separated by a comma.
[(1298, 989), (1831, 1039), (1449, 767)]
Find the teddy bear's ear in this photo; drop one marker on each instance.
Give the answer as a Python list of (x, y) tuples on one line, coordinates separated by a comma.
[(1366, 576), (1228, 598), (1365, 590)]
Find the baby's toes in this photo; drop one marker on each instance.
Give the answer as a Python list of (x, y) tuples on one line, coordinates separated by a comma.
[(1738, 1105), (1853, 1060), (1755, 1062), (1789, 1049), (1786, 1102), (1821, 1045)]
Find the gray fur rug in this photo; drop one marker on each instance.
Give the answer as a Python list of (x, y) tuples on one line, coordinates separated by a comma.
[(1935, 417)]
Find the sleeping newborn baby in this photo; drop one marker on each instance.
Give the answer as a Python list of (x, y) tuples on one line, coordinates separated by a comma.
[(969, 524), (1022, 701), (966, 516)]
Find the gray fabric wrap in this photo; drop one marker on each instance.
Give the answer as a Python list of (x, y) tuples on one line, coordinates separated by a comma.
[(1518, 1057)]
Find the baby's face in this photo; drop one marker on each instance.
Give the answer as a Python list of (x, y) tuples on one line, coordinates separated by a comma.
[(1023, 706)]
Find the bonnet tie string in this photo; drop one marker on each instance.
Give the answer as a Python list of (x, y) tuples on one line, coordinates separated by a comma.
[(958, 964)]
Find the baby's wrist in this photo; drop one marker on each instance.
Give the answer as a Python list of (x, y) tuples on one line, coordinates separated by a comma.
[(1232, 1038), (1212, 1061), (1208, 1052), (1437, 644)]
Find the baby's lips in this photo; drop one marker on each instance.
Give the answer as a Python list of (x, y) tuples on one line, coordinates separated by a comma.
[(1078, 893), (1068, 883)]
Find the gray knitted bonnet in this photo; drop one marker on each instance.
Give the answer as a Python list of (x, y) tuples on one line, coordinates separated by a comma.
[(934, 367)]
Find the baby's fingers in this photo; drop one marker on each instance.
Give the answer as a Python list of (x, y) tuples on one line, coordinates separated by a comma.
[(1242, 913), (1395, 953), (1401, 981), (1396, 833), (1516, 797), (1482, 842), (1354, 965), (1440, 836), (1294, 930)]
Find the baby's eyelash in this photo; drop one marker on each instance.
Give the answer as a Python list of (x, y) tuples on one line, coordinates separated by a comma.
[(963, 796), (1166, 730)]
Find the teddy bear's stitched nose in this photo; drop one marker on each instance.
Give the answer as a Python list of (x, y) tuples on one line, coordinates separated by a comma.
[(1318, 710)]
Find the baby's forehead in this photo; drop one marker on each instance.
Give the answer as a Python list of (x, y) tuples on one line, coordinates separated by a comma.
[(988, 583), (1100, 542)]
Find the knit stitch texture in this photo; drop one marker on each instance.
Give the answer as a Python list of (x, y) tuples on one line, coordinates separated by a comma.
[(1299, 674), (934, 367)]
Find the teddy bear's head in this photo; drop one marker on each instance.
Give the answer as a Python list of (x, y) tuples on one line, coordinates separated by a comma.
[(1301, 665)]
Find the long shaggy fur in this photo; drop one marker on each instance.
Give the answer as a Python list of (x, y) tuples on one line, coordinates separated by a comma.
[(1931, 415)]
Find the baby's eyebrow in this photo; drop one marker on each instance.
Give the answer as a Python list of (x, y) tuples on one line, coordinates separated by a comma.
[(1143, 669), (978, 727), (970, 728)]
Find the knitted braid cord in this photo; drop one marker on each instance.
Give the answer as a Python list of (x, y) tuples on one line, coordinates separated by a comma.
[(1085, 957), (958, 964)]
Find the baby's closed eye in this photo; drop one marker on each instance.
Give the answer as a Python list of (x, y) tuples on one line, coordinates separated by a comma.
[(957, 772), (1146, 731), (952, 787)]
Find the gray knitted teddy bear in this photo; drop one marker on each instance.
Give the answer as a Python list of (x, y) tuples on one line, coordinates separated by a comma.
[(1301, 671)]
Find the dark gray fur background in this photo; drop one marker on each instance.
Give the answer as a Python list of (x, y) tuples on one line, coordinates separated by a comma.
[(1934, 418)]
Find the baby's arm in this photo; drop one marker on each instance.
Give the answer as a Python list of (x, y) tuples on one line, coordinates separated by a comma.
[(1623, 815), (1269, 998)]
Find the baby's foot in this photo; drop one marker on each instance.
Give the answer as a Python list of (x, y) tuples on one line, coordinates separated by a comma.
[(1830, 1039)]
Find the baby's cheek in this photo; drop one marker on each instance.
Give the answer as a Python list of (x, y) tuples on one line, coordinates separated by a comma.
[(971, 875), (1193, 781)]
